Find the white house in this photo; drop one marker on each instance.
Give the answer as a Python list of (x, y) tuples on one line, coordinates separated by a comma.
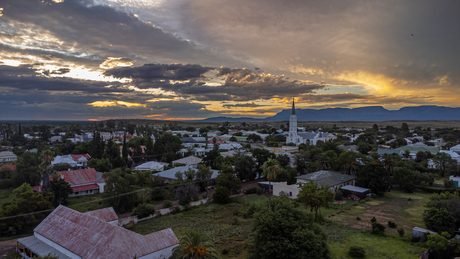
[(7, 156), (188, 161), (456, 180), (150, 166), (170, 175), (67, 233), (80, 160)]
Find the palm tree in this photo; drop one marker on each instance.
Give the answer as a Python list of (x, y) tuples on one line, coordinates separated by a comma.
[(389, 164), (45, 167), (350, 168), (270, 169), (325, 162), (194, 245)]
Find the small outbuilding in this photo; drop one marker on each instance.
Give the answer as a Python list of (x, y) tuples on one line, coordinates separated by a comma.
[(355, 190)]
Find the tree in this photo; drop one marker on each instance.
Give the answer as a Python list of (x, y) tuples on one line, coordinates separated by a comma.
[(244, 167), (314, 198), (261, 156), (270, 169), (221, 195), (101, 165), (441, 247), (45, 167), (228, 179), (283, 160), (61, 190), (194, 245), (118, 183), (441, 160), (404, 177), (439, 220), (282, 231), (25, 200), (375, 177), (27, 169), (254, 138), (125, 148), (204, 132)]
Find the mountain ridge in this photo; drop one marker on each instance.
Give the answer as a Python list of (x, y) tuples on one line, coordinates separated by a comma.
[(370, 113)]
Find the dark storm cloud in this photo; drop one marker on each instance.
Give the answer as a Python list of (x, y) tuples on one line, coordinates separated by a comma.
[(97, 31), (149, 72), (351, 98)]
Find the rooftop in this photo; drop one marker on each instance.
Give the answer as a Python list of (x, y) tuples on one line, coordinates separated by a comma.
[(190, 160), (354, 188), (90, 237), (329, 178), (105, 214)]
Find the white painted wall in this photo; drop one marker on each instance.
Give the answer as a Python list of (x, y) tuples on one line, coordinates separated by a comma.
[(162, 254), (288, 189), (56, 246), (101, 187)]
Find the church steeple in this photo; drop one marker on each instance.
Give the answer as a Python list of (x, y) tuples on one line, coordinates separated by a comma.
[(293, 107)]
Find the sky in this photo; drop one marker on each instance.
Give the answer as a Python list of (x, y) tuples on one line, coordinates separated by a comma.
[(186, 60)]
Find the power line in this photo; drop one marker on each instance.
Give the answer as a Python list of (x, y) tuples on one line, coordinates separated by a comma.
[(102, 199)]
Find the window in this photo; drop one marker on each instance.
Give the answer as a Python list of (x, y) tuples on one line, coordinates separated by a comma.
[(76, 193), (290, 194)]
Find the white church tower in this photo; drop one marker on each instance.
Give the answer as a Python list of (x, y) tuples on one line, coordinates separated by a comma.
[(292, 137)]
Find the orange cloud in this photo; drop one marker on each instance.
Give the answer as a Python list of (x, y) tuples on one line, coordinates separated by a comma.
[(115, 103)]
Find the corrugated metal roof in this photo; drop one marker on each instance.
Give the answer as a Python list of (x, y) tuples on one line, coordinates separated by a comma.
[(190, 160), (76, 157), (354, 188), (329, 178), (80, 177), (105, 214), (39, 248), (90, 237)]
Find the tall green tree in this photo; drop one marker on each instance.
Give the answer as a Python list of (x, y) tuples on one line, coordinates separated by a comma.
[(314, 198), (282, 231), (244, 166), (271, 169), (375, 177), (118, 183), (61, 190)]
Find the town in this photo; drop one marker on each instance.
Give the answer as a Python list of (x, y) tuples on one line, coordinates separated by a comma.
[(125, 190)]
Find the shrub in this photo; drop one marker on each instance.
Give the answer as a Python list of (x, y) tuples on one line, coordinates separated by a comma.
[(176, 210), (249, 212), (167, 204), (144, 210), (378, 229), (409, 199), (391, 224), (373, 220), (195, 198), (225, 251), (252, 190), (401, 232), (358, 218), (338, 195), (184, 202), (235, 221), (221, 195), (357, 252)]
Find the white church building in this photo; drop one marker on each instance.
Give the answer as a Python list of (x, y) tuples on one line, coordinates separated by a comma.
[(302, 137)]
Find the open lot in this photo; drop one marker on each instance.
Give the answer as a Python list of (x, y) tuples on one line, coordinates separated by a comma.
[(344, 230)]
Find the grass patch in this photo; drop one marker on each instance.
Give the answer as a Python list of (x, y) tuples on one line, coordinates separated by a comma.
[(90, 202)]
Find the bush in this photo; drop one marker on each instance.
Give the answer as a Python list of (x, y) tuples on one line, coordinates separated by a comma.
[(176, 210), (401, 232), (249, 212), (358, 218), (357, 252), (378, 229), (235, 221), (6, 183), (252, 190), (144, 210), (391, 224), (167, 204), (185, 202), (221, 195), (338, 195), (373, 220)]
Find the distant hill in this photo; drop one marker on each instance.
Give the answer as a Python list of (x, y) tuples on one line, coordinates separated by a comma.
[(373, 113)]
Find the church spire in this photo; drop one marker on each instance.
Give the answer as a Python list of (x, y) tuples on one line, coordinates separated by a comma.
[(293, 107)]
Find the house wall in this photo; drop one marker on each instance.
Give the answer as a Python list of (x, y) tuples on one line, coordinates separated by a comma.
[(84, 193), (164, 253), (332, 188), (56, 246), (101, 187), (292, 190)]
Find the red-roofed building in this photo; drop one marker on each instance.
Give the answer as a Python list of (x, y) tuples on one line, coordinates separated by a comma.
[(218, 141), (106, 214), (83, 181), (67, 233), (11, 166)]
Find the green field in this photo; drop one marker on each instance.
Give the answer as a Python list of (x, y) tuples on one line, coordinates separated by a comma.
[(343, 229)]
